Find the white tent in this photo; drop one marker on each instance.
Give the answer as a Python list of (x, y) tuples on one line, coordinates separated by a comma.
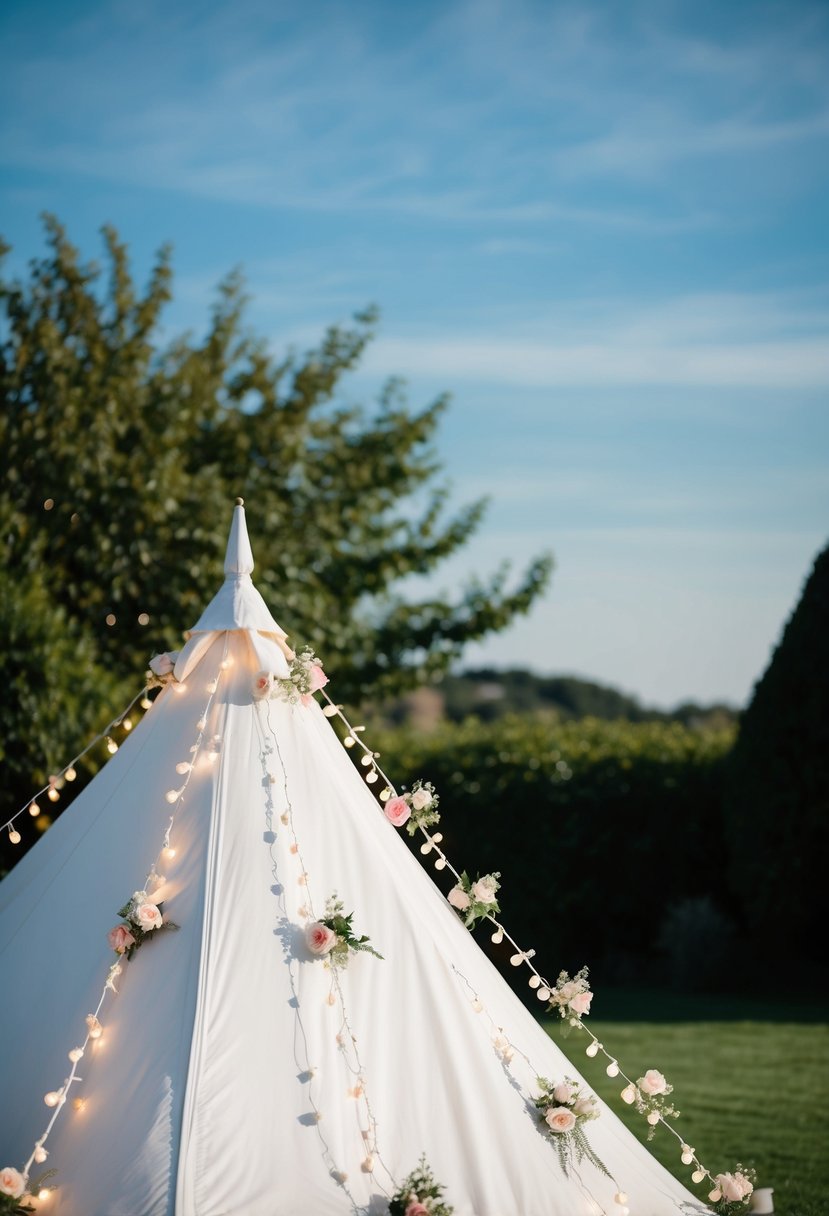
[(236, 1074)]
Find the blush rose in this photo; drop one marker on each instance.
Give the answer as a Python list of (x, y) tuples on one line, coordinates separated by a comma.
[(148, 917), (459, 899), (421, 799), (397, 811), (653, 1083), (559, 1119), (120, 939), (580, 1003), (483, 891), (319, 938), (12, 1182)]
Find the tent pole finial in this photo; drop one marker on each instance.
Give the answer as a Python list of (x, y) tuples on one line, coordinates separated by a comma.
[(240, 502)]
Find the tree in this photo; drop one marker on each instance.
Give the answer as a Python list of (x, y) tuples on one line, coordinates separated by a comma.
[(778, 784), (123, 455)]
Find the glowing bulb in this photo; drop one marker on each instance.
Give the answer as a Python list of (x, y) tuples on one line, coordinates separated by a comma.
[(52, 795), (40, 1154), (145, 702), (331, 711), (543, 994), (201, 724), (517, 960), (697, 1175), (534, 981), (76, 1054), (654, 1117), (612, 1069), (112, 747), (94, 1027), (687, 1157), (368, 1165), (498, 935), (127, 724), (70, 773), (79, 1104), (183, 767), (168, 852), (366, 759), (620, 1197), (440, 864), (426, 848), (715, 1195), (385, 794), (52, 1098), (44, 1192), (172, 796), (349, 741), (14, 836), (225, 663), (34, 810), (211, 686), (629, 1094), (331, 999), (477, 1006)]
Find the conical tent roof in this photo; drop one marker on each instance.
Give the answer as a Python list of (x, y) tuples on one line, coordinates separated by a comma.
[(237, 1073)]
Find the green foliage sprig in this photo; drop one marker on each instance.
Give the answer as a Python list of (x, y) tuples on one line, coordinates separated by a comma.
[(420, 1187), (563, 1110)]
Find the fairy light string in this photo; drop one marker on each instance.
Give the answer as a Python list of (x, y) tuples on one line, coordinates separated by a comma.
[(57, 1098), (542, 986), (346, 1039), (68, 773)]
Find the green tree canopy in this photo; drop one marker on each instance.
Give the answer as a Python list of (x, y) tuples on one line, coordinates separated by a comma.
[(123, 455), (778, 783)]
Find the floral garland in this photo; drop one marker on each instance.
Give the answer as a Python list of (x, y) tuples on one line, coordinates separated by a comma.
[(475, 900), (571, 998), (333, 937), (160, 672), (648, 1096), (305, 677), (416, 809), (419, 1194), (141, 920), (563, 1110), (16, 1190)]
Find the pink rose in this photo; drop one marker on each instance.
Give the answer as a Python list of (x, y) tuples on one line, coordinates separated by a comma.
[(581, 1002), (262, 685), (559, 1119), (484, 889), (318, 677), (566, 993), (416, 1208), (120, 939), (563, 1092), (459, 899), (147, 916), (13, 1183), (652, 1083), (734, 1187), (587, 1107), (319, 938), (397, 811)]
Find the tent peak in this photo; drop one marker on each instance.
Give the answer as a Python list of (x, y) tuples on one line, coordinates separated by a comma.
[(239, 555)]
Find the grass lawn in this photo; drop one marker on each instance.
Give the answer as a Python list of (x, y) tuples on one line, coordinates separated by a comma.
[(748, 1091)]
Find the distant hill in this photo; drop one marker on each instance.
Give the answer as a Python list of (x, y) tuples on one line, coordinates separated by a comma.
[(488, 693)]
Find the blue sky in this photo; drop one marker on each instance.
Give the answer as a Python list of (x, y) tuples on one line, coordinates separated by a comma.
[(601, 226)]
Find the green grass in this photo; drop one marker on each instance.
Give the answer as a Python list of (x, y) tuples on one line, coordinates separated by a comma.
[(748, 1091)]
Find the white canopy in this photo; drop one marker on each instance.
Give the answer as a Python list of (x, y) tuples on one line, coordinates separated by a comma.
[(232, 1078)]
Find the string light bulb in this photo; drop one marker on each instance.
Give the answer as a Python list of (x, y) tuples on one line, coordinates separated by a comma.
[(183, 767), (534, 981), (44, 1193), (385, 794), (226, 662), (687, 1157), (331, 711), (371, 777), (34, 810), (52, 795), (440, 863), (76, 1054), (40, 1155), (71, 773), (698, 1175), (127, 724), (612, 1069), (172, 796), (145, 702), (498, 935), (179, 687), (543, 993), (94, 1027), (349, 741), (628, 1094), (654, 1117), (53, 1097), (620, 1197), (169, 852), (112, 746), (14, 836)]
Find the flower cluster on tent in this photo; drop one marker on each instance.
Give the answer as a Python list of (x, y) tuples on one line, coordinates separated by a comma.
[(239, 1067)]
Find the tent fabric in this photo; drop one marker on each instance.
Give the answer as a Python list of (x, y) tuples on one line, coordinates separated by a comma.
[(224, 1083)]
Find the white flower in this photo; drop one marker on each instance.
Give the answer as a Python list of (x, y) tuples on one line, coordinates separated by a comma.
[(483, 891), (652, 1083), (421, 799), (148, 916), (163, 664), (12, 1182)]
